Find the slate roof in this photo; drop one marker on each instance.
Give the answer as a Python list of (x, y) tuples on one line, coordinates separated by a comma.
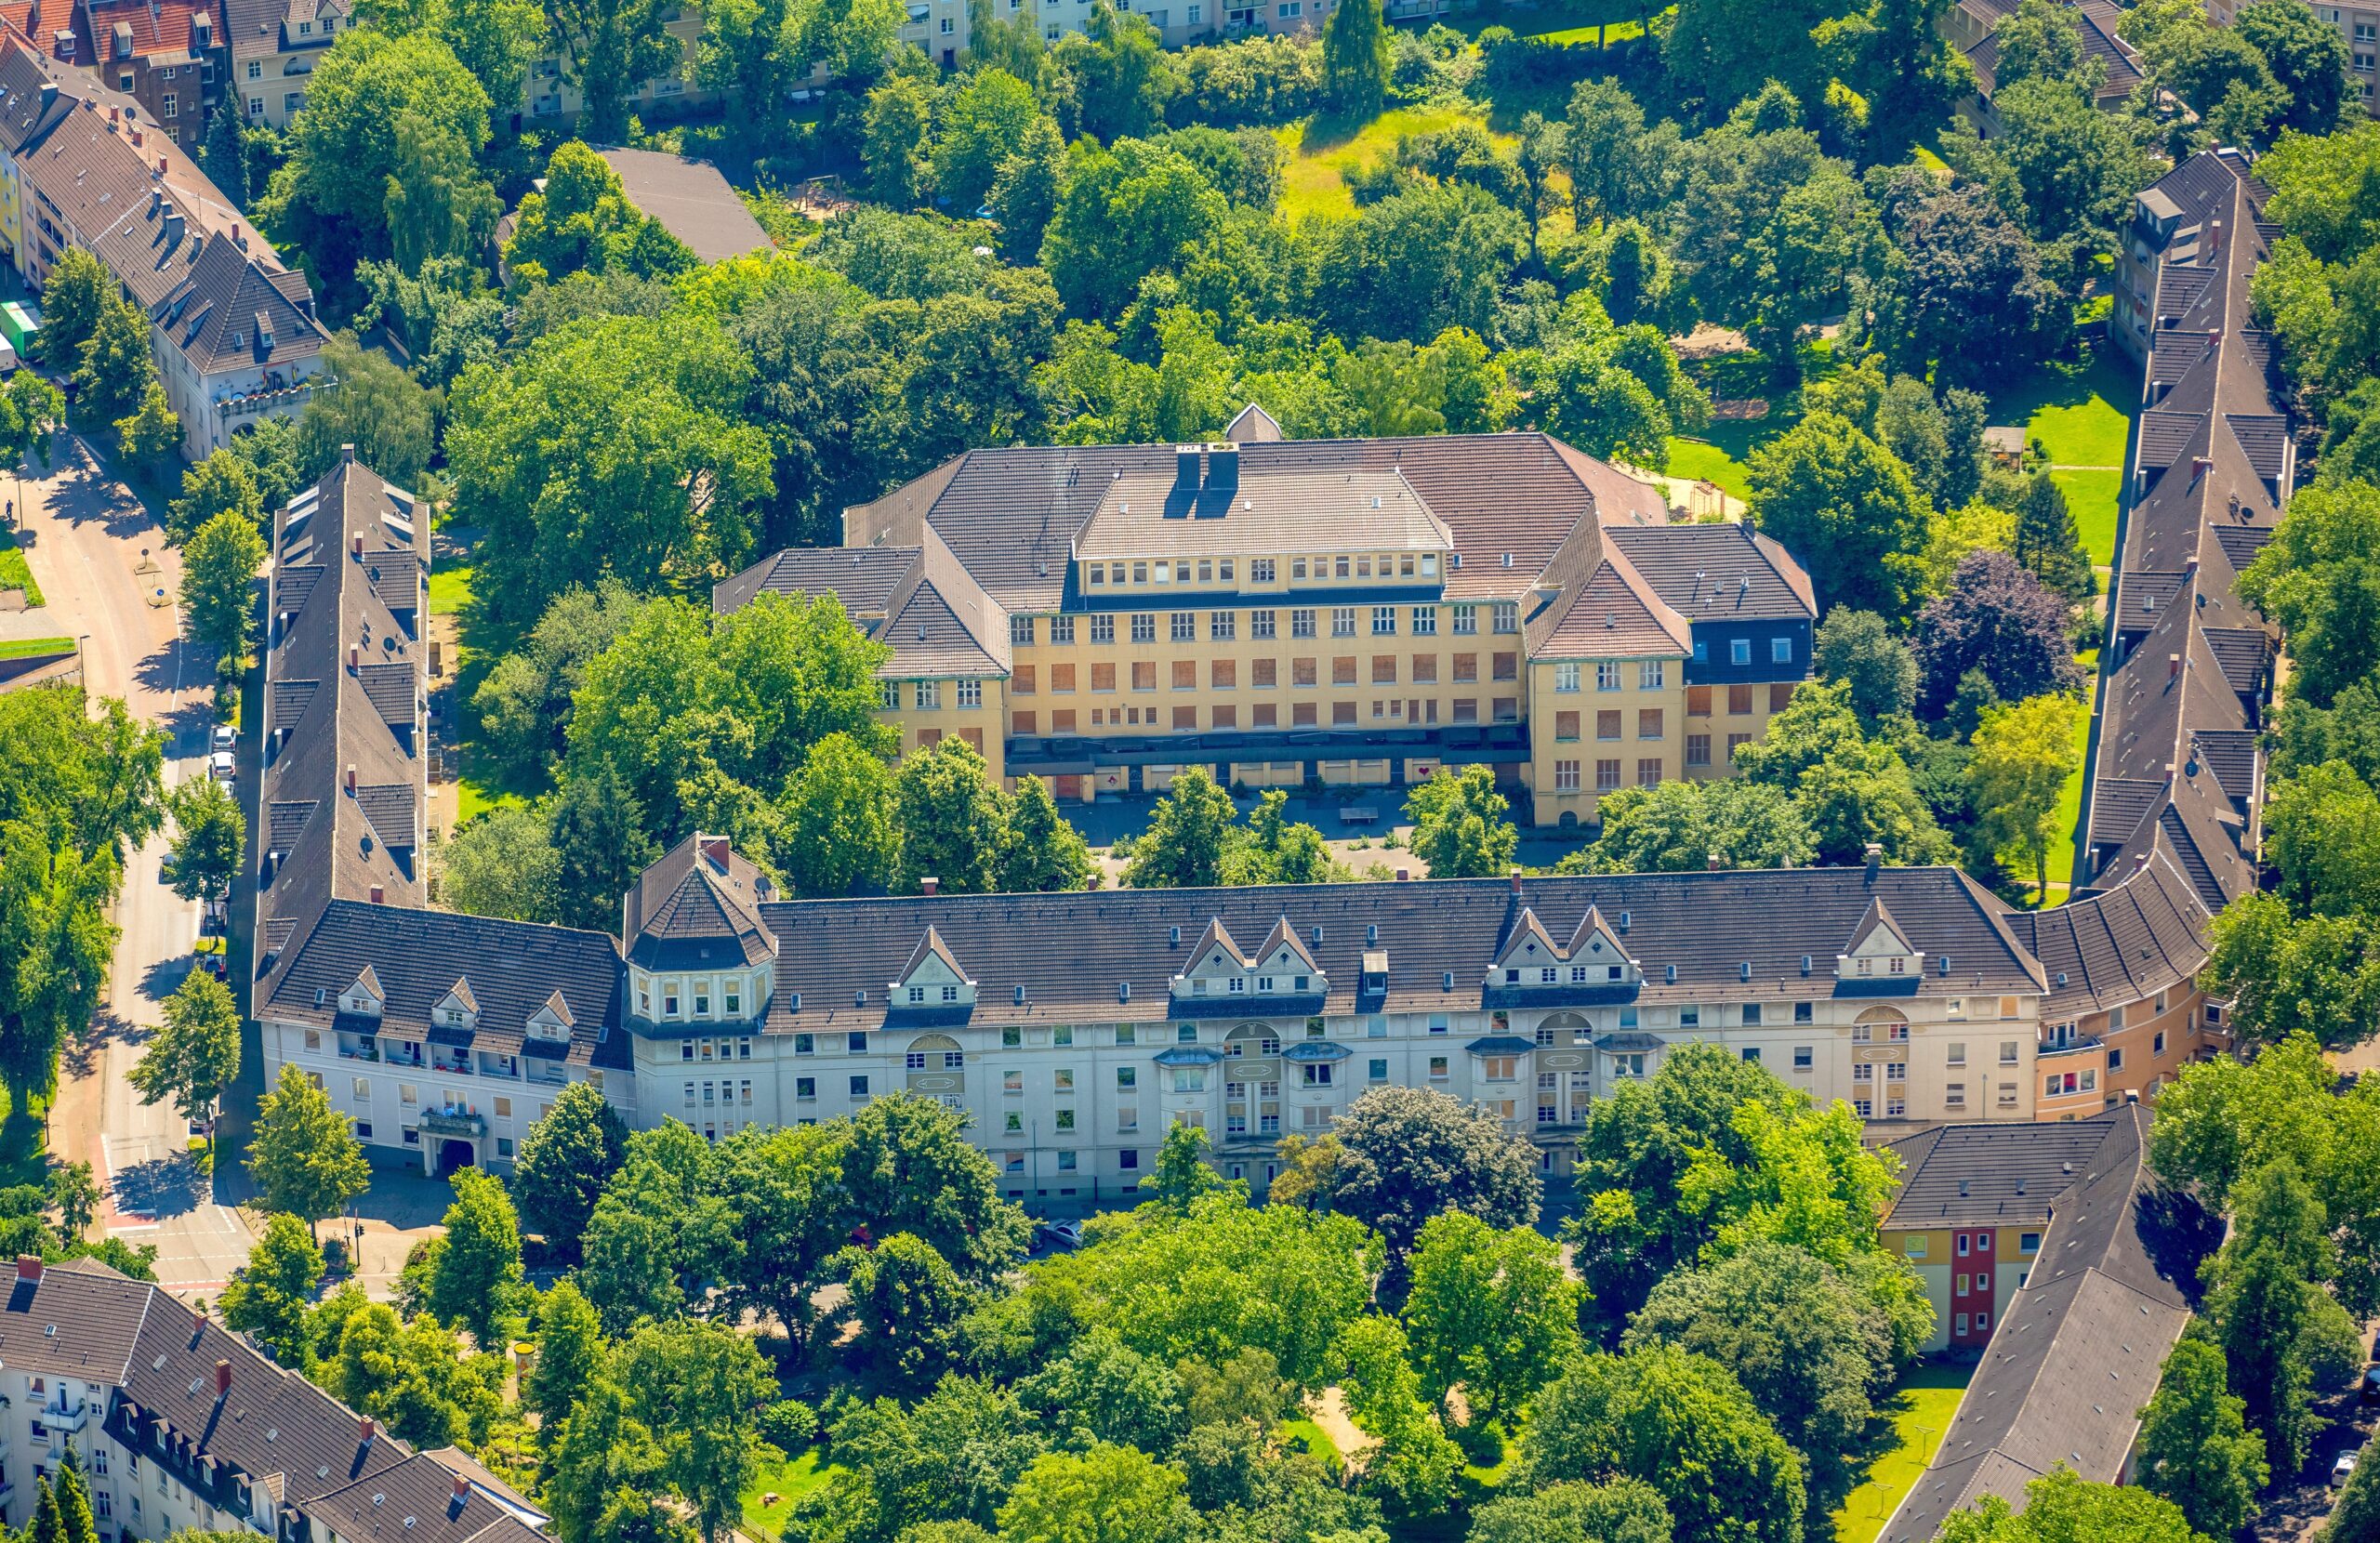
[(2077, 1350), (228, 311), (697, 896), (2122, 945), (1720, 571), (1149, 511), (691, 200), (1997, 1174), (335, 840), (918, 600), (2096, 21), (420, 1501), (1072, 951)]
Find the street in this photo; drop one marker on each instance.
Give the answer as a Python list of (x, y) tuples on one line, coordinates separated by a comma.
[(101, 560)]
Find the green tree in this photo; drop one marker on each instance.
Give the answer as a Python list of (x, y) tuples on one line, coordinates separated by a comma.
[(76, 1525), (696, 1385), (219, 570), (608, 47), (600, 1451), (1680, 826), (1189, 837), (477, 1282), (269, 1295), (1845, 507), (1856, 649), (305, 1158), (2280, 1333), (1625, 1511), (1106, 1495), (601, 846), (379, 408), (437, 203), (502, 862), (72, 299), (150, 432), (114, 370), (31, 410), (1024, 194), (1181, 1173), (566, 1159), (1122, 213), (1355, 59), (219, 484), (660, 1230), (1119, 73), (2061, 1508), (75, 1195), (897, 141), (2309, 58), (1681, 1423), (841, 836), (583, 221), (908, 1302), (2195, 1448), (909, 1167), (986, 124), (414, 1377), (2356, 1517), (1490, 1310), (1407, 1153), (224, 154), (954, 822), (572, 1356), (2316, 580), (523, 705), (1458, 825), (1043, 853), (2046, 541), (209, 833), (2024, 755), (195, 1054)]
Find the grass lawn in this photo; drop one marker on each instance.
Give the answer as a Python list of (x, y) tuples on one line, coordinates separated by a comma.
[(1708, 463), (1318, 150), (1320, 1445), (450, 590), (1921, 1410), (789, 1479), (14, 574), (23, 1141), (473, 798), (25, 648), (2070, 802), (2093, 496)]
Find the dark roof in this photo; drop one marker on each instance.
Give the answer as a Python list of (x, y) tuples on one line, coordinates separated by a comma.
[(2076, 1353), (920, 600), (1998, 1174), (339, 837), (691, 200), (420, 1501), (2142, 935), (1716, 572), (1072, 951), (230, 312), (697, 896)]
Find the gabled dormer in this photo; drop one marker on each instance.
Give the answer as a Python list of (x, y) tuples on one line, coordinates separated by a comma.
[(459, 1009), (1879, 950), (931, 977), (1529, 956), (552, 1022), (1284, 964), (1215, 965), (1595, 946), (364, 998)]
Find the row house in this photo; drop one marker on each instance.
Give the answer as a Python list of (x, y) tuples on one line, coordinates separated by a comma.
[(231, 328), (181, 1425), (1343, 612)]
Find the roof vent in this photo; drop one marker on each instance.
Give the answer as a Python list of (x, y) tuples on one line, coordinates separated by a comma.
[(859, 998), (1669, 974), (2061, 979), (1942, 965), (2020, 1186), (1508, 559), (2067, 1167)]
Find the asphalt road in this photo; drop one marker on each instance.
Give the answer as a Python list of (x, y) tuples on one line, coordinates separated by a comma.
[(101, 560)]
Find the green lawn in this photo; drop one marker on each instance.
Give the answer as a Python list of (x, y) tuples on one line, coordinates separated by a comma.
[(14, 574), (1318, 150), (2070, 799), (1706, 462), (25, 648), (2079, 413), (1320, 1445), (23, 1141), (2093, 496), (789, 1479), (450, 590), (473, 798), (1920, 1408)]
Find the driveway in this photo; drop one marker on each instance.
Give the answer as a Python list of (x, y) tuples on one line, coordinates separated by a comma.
[(109, 578)]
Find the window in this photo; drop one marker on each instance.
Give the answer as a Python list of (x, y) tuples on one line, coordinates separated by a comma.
[(971, 693), (1698, 749), (1019, 631), (1607, 725), (859, 1088), (928, 694), (1342, 621), (1650, 673), (1383, 621), (1780, 651), (1740, 651), (1103, 630), (1302, 622), (1508, 615), (1566, 776), (1606, 675), (2007, 1052), (1425, 621), (1438, 1068), (1649, 723), (1222, 626), (1260, 569), (1566, 678), (1608, 776), (1260, 624), (1062, 629), (1144, 628), (888, 694)]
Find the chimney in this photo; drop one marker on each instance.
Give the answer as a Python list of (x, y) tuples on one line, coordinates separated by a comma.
[(713, 847), (351, 779), (347, 457), (1516, 881), (2172, 668), (2139, 861), (2214, 238), (1875, 859), (376, 894), (29, 1267), (161, 166), (2200, 467), (1403, 875), (366, 1430), (355, 545), (1222, 466), (49, 95), (354, 657), (2189, 565), (136, 138), (929, 884), (1185, 468), (462, 1489), (222, 1379), (1712, 862), (115, 116)]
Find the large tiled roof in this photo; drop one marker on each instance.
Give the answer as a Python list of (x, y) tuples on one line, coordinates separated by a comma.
[(1718, 572), (230, 312), (2077, 1351), (417, 958), (1269, 508), (692, 201), (697, 897), (159, 31), (2120, 944), (420, 1501), (1111, 955), (919, 600), (1997, 1174), (346, 786)]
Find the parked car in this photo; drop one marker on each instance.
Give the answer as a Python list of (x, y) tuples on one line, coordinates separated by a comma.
[(221, 767), (226, 737), (2341, 1469), (1060, 1234), (2371, 1384)]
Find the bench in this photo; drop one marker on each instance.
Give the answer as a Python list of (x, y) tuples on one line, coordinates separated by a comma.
[(1359, 814)]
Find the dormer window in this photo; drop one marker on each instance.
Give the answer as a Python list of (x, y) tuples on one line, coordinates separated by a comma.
[(669, 1003), (917, 993), (734, 1001)]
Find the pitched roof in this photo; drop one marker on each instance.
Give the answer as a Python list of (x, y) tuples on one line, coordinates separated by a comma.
[(1719, 572), (2076, 1353), (2122, 945), (697, 896), (692, 201), (920, 600), (2001, 1174)]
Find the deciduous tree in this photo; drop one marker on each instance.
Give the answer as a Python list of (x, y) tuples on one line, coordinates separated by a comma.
[(209, 833), (194, 1056), (2195, 1449), (219, 600), (1458, 825), (2024, 755), (271, 1294), (1846, 509), (305, 1157), (1408, 1153)]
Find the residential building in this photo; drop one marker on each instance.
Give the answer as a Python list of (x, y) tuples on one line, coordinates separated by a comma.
[(1347, 612), (272, 45), (2359, 24), (167, 55), (2075, 1353), (1972, 27), (2177, 219), (231, 328), (180, 1424), (692, 201)]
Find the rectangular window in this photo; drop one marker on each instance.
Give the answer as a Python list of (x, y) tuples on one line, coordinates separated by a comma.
[(971, 693), (1607, 725), (1145, 675), (1302, 623), (1425, 621), (1383, 621), (1738, 701), (1019, 631), (1062, 629), (1260, 624), (1566, 776), (1606, 675), (1103, 629), (1649, 723), (1780, 651), (1144, 626), (1565, 677), (1607, 776), (1565, 727), (1650, 673), (1383, 669), (1342, 621), (1222, 626), (928, 694)]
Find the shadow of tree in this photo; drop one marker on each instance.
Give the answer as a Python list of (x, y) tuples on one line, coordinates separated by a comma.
[(2179, 1234), (161, 1187)]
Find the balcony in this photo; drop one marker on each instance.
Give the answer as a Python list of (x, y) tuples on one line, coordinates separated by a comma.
[(69, 1417), (266, 400), (453, 1122)]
